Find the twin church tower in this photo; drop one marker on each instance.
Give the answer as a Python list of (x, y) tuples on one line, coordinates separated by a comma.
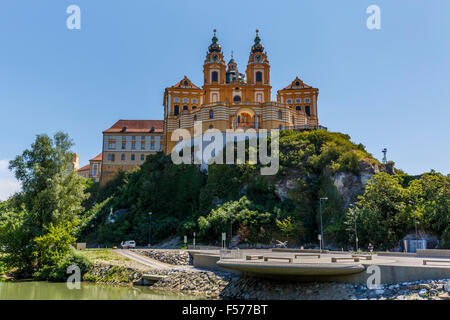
[(229, 99)]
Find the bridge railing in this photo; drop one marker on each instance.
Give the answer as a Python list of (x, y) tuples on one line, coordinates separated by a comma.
[(230, 254)]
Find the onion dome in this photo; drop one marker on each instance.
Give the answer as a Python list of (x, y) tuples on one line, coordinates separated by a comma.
[(257, 46), (214, 46), (232, 58)]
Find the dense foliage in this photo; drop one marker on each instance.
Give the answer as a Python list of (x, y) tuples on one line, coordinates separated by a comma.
[(38, 225), (183, 199), (385, 212), (56, 206)]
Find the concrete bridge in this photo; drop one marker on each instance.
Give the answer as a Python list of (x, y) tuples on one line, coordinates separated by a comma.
[(295, 264)]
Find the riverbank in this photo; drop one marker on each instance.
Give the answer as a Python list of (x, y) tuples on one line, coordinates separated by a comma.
[(253, 288), (111, 268), (219, 285)]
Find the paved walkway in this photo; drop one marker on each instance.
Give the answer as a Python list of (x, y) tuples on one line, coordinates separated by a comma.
[(142, 259), (152, 263)]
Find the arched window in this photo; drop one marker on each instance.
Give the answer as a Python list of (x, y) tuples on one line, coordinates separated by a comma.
[(122, 157), (194, 107), (237, 99), (280, 115), (259, 76), (211, 114), (307, 110), (176, 110), (239, 119), (211, 126), (214, 76), (133, 157), (195, 117), (185, 108), (298, 108)]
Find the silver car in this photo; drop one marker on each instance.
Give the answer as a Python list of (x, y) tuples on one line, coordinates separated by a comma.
[(130, 244)]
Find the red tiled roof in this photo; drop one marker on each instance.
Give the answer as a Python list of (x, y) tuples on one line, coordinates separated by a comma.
[(85, 168), (181, 84), (99, 157), (136, 126)]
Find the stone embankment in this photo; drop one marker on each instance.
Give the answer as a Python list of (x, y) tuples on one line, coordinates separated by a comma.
[(216, 284), (418, 290), (112, 274), (169, 256), (252, 288), (206, 283)]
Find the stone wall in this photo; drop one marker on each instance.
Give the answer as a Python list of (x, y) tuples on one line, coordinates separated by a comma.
[(193, 282), (110, 274), (169, 256), (264, 289)]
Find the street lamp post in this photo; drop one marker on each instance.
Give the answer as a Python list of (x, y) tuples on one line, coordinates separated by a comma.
[(356, 230), (149, 228), (321, 223), (194, 239), (415, 223), (231, 224), (356, 233), (414, 210)]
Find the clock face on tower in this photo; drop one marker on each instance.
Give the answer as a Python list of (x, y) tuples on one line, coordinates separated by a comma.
[(214, 57), (258, 57)]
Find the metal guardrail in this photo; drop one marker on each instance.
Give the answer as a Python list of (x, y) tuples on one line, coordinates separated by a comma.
[(202, 247), (230, 254)]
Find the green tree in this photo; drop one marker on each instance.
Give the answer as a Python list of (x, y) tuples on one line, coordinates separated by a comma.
[(38, 224), (286, 226), (16, 242), (50, 192), (246, 218), (382, 219), (429, 198), (52, 247)]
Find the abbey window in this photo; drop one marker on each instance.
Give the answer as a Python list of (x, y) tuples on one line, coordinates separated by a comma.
[(214, 76), (259, 76)]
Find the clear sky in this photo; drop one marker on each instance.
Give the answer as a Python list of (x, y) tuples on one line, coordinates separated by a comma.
[(385, 88)]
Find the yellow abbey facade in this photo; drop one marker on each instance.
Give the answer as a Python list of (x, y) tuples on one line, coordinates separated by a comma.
[(230, 99)]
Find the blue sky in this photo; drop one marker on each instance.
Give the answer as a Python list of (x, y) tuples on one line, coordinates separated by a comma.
[(385, 88)]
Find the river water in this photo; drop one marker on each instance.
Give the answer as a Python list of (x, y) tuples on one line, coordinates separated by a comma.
[(41, 290)]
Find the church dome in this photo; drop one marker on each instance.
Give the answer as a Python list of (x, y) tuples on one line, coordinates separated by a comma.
[(214, 46), (257, 46)]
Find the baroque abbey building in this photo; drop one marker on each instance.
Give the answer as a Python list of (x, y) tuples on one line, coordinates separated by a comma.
[(232, 100)]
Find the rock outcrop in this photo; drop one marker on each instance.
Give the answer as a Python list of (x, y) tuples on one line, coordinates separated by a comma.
[(348, 184)]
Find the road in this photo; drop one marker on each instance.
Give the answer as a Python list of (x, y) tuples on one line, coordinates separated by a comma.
[(143, 259)]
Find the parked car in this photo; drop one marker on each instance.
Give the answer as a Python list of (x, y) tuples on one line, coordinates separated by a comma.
[(130, 244)]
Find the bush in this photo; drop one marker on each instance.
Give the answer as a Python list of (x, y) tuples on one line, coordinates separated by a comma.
[(54, 245), (349, 162), (252, 221), (59, 273), (3, 267)]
